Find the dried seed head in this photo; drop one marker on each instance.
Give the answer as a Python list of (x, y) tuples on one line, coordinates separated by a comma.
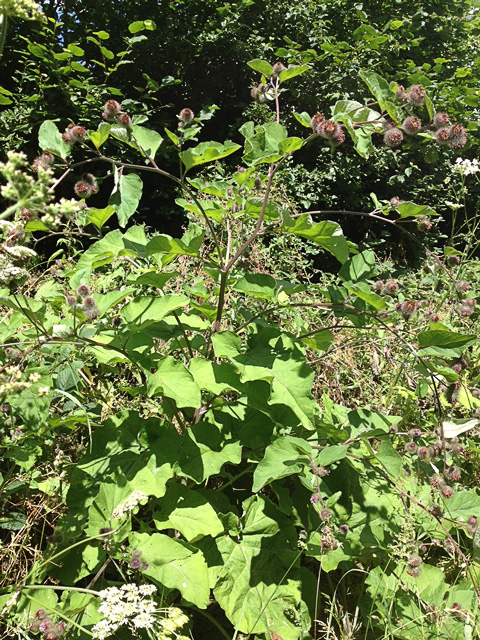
[(259, 93), (453, 474), (414, 560), (400, 94), (465, 311), (316, 121), (78, 134), (407, 308), (277, 69), (424, 224), (452, 261), (124, 119), (457, 136), (425, 452), (378, 286), (440, 120), (395, 201), (44, 161), (437, 481), (416, 95), (442, 135), (388, 124), (447, 491), (83, 290), (393, 137), (411, 447), (329, 129), (111, 109), (82, 189), (412, 125), (462, 286), (186, 115)]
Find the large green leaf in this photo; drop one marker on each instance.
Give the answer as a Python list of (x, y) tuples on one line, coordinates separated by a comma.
[(277, 359), (207, 152), (284, 457), (215, 377), (258, 585), (262, 66), (362, 290), (206, 447), (99, 217), (292, 72), (175, 565), (147, 309), (390, 459), (176, 382), (263, 144), (126, 195), (382, 92), (50, 139), (410, 209), (114, 491), (328, 235), (147, 139), (445, 343), (189, 512), (260, 285), (359, 267), (167, 244), (101, 135)]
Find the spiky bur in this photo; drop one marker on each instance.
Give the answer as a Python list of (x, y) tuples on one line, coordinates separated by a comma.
[(457, 136), (462, 286), (411, 447), (277, 69), (89, 308), (407, 308), (185, 116), (453, 474), (441, 120), (466, 309), (259, 93), (472, 525), (74, 133), (316, 121), (83, 291), (111, 110), (44, 161), (414, 565), (124, 119), (393, 137), (327, 129), (452, 261), (415, 95), (136, 561), (86, 187), (447, 491), (425, 453), (424, 224), (412, 125)]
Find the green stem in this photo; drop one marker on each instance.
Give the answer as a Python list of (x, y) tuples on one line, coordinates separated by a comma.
[(3, 33)]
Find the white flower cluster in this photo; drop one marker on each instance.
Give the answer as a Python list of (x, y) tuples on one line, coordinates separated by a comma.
[(128, 605), (25, 9), (466, 167), (453, 205), (137, 497), (12, 382), (125, 606)]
